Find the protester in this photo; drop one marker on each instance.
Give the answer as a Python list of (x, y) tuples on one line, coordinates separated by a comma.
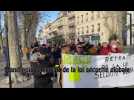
[(93, 50), (115, 47), (57, 55), (119, 47), (53, 61), (39, 62), (35, 54), (45, 77), (52, 55), (104, 50), (34, 65), (35, 43), (48, 56), (66, 49), (72, 48), (98, 48), (79, 50)]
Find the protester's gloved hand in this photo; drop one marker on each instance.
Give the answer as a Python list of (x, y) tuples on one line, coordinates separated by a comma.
[(43, 73), (53, 78)]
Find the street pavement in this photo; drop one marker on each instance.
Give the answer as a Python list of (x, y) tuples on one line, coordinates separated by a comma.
[(25, 84)]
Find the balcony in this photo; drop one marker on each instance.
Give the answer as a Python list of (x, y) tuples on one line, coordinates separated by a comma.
[(71, 30), (60, 32), (53, 33), (60, 27), (60, 24), (71, 15), (71, 23)]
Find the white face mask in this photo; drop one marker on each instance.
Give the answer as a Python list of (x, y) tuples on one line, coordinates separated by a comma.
[(114, 46)]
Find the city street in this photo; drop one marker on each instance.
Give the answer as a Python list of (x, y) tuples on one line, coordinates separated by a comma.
[(24, 84), (43, 40)]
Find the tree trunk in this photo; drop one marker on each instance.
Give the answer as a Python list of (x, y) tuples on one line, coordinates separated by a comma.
[(24, 38), (1, 42), (1, 45), (13, 43), (29, 28)]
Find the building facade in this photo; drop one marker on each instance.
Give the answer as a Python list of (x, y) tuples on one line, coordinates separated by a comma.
[(103, 23), (56, 28), (74, 24), (128, 27)]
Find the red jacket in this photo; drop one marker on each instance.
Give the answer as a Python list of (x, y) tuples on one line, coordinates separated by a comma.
[(118, 50), (104, 51)]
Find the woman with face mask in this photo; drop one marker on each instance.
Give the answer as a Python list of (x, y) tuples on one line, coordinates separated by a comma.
[(115, 47), (104, 49)]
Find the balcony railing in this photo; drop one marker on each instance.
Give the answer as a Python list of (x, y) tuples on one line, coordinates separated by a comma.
[(60, 24), (60, 32), (71, 14), (71, 23), (72, 31)]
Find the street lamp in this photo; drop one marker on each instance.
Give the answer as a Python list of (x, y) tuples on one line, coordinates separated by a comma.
[(130, 27)]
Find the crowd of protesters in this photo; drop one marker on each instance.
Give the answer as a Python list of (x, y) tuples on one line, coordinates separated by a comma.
[(105, 48), (47, 55)]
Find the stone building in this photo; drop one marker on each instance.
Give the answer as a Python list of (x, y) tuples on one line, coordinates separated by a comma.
[(73, 24)]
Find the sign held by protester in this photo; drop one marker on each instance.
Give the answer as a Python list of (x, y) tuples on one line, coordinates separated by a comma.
[(87, 71)]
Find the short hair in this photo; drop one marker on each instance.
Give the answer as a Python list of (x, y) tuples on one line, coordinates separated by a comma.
[(43, 44)]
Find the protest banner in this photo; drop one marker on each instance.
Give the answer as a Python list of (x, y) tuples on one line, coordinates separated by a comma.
[(87, 71)]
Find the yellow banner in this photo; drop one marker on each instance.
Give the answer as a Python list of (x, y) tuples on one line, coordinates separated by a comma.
[(75, 60)]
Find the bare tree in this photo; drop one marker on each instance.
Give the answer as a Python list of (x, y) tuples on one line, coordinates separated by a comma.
[(28, 22), (0, 36), (13, 43), (1, 31)]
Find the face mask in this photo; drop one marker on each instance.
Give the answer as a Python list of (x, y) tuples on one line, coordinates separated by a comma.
[(114, 46)]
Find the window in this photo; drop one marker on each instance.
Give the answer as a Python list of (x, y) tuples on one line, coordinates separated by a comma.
[(69, 11), (78, 20), (92, 28), (82, 30), (87, 30), (98, 27), (60, 27), (98, 14), (81, 18), (86, 17), (78, 31), (92, 15)]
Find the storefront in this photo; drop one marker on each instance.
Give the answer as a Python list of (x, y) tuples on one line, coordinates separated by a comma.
[(92, 39)]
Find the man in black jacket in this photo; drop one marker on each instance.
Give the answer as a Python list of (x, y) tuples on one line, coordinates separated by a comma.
[(44, 70)]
